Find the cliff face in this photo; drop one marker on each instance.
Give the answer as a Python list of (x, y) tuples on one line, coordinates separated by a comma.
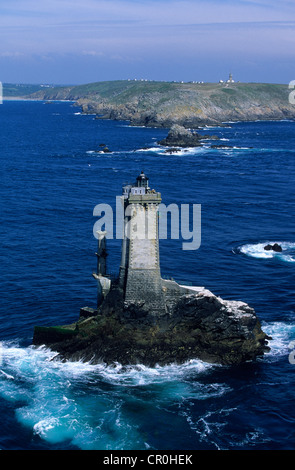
[(162, 104)]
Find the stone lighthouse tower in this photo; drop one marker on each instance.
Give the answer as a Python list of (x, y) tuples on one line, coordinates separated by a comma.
[(140, 275)]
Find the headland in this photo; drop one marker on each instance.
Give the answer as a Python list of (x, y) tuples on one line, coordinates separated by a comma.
[(163, 104)]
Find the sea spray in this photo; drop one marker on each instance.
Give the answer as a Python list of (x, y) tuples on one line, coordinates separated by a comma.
[(257, 250), (89, 405), (93, 406)]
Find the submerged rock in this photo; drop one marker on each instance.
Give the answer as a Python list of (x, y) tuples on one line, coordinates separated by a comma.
[(198, 324)]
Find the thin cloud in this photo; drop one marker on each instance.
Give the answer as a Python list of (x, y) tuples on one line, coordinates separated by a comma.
[(147, 31)]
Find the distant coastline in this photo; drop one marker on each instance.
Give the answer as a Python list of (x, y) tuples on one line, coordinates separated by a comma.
[(22, 98), (162, 104)]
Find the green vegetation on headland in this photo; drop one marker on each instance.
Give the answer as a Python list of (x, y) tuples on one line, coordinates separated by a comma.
[(20, 90), (162, 104)]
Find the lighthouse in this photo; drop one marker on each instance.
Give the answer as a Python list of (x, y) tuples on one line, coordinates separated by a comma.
[(140, 275), (230, 78)]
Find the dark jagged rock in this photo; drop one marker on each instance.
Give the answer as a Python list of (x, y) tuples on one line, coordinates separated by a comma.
[(268, 247), (179, 136), (197, 325), (103, 149), (275, 247), (221, 146), (173, 150)]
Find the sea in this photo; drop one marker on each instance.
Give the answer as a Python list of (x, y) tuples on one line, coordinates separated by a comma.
[(53, 174)]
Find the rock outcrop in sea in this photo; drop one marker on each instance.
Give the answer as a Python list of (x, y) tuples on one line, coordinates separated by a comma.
[(197, 325), (275, 247), (179, 136)]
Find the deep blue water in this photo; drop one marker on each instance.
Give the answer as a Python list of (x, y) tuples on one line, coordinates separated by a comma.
[(52, 177)]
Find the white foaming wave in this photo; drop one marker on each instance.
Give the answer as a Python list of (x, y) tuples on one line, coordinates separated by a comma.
[(163, 151), (231, 148), (42, 392), (169, 151), (84, 114), (74, 401), (241, 148), (7, 376), (99, 152), (131, 126), (149, 149), (257, 250), (223, 126), (282, 334), (140, 374)]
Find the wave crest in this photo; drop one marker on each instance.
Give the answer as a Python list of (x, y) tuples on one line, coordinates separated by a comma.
[(256, 250)]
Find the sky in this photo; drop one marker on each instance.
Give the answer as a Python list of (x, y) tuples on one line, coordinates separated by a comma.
[(83, 41)]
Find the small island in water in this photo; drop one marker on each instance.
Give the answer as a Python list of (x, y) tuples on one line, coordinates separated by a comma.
[(142, 318)]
